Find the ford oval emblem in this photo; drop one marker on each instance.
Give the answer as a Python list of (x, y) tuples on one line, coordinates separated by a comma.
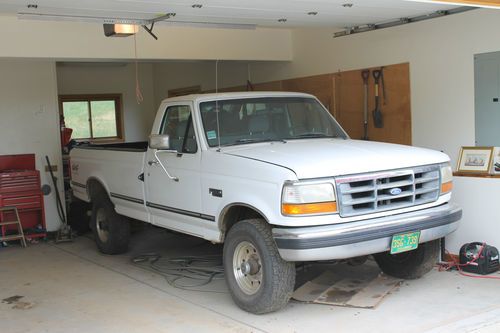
[(395, 191)]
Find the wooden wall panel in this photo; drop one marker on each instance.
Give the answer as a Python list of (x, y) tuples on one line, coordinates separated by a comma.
[(321, 86), (396, 108), (232, 89), (268, 86)]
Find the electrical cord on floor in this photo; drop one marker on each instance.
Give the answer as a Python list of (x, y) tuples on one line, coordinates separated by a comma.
[(200, 270)]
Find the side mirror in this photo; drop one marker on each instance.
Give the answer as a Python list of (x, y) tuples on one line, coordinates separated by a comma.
[(159, 141)]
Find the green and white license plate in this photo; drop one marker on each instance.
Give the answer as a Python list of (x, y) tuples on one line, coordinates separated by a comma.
[(405, 242)]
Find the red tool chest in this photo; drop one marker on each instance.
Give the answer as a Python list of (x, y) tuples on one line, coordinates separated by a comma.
[(20, 187)]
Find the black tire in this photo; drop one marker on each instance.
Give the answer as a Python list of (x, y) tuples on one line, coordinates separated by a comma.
[(111, 231), (269, 282), (412, 264)]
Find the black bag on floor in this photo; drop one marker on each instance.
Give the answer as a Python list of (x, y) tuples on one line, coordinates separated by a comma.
[(479, 258)]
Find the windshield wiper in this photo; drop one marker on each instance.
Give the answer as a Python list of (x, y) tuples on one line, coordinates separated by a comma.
[(244, 141), (312, 135)]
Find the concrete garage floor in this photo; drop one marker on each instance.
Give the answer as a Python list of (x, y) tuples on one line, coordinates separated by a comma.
[(70, 287)]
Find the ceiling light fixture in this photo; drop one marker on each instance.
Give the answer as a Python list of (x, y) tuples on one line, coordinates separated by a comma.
[(282, 20), (347, 5), (120, 30), (197, 5), (312, 13)]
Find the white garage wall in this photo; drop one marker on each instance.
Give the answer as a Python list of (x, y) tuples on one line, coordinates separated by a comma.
[(29, 120), (99, 78), (481, 216), (441, 56), (79, 40)]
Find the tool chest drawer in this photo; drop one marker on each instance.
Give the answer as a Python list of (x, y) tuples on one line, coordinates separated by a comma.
[(21, 202), (19, 181)]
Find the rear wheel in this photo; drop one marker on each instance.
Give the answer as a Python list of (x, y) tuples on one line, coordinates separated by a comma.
[(259, 280), (111, 230), (412, 264)]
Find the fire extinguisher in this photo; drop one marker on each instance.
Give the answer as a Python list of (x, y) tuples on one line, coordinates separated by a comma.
[(65, 132)]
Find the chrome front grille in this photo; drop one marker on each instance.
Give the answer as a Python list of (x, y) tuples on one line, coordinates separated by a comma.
[(382, 191)]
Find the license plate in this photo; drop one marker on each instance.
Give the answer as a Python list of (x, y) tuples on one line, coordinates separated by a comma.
[(405, 242)]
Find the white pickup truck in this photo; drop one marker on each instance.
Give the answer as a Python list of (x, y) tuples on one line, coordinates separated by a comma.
[(274, 177)]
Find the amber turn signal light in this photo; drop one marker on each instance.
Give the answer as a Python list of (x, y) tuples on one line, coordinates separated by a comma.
[(446, 187), (309, 208)]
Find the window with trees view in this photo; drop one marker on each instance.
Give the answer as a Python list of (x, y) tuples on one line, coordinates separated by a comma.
[(93, 117)]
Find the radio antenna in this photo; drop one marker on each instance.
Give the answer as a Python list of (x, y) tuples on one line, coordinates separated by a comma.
[(217, 101)]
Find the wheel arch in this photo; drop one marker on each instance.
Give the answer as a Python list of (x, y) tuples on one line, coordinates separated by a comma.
[(95, 187), (235, 212)]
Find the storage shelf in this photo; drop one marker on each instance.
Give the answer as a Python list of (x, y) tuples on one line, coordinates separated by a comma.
[(476, 175)]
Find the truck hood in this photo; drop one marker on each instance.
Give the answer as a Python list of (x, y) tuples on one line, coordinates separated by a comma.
[(316, 158)]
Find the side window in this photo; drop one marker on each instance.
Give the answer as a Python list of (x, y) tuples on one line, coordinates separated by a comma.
[(178, 125)]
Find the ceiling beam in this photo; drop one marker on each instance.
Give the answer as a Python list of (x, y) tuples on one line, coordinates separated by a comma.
[(403, 20)]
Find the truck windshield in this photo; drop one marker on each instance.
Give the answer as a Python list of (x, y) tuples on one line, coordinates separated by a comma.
[(249, 120)]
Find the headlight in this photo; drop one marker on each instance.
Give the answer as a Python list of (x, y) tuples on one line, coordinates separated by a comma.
[(308, 199), (446, 178)]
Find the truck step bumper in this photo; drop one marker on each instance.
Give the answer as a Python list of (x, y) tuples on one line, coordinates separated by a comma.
[(353, 239)]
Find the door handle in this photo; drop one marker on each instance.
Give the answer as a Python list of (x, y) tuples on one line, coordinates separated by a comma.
[(153, 162)]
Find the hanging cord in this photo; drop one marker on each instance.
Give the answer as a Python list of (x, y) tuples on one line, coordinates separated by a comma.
[(187, 273), (138, 94), (454, 264)]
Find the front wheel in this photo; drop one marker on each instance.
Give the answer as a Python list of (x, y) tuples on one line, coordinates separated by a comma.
[(412, 264), (259, 280)]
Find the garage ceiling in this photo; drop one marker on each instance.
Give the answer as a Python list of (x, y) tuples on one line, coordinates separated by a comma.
[(269, 13)]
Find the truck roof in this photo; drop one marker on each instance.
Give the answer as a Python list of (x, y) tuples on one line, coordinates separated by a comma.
[(234, 95)]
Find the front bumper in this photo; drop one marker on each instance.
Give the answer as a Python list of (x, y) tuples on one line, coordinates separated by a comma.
[(353, 239)]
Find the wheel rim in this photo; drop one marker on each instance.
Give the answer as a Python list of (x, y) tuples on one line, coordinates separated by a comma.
[(247, 268), (102, 226)]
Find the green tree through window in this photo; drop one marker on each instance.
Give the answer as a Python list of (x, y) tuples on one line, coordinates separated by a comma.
[(93, 116)]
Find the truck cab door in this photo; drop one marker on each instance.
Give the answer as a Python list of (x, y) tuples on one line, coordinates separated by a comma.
[(172, 177)]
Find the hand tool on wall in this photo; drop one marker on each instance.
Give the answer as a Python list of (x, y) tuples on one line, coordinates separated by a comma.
[(378, 119), (365, 74), (64, 233), (382, 82)]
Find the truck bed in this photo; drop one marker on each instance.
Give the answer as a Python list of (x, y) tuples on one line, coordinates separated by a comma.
[(118, 167)]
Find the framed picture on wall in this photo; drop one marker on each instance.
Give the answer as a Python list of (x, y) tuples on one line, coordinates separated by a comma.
[(495, 164), (475, 159)]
